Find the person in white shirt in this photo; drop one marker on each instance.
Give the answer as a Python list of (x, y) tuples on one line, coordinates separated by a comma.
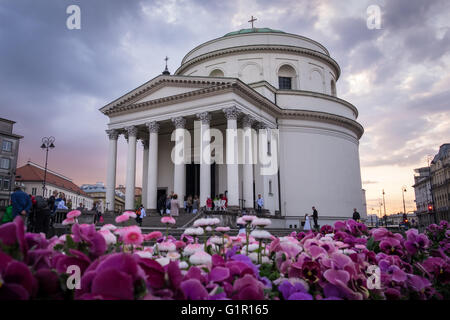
[(260, 203), (307, 225)]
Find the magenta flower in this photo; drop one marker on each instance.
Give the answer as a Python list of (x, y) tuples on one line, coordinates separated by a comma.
[(132, 235), (248, 288), (294, 291), (193, 290), (219, 274), (16, 280), (391, 246)]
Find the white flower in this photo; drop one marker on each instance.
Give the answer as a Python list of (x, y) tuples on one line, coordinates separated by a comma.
[(163, 261), (208, 228), (201, 222), (144, 254), (183, 265), (218, 240), (200, 257), (194, 231), (248, 218), (261, 222), (325, 239), (109, 237), (241, 221), (166, 246), (173, 255), (261, 234), (213, 221), (348, 251), (253, 256), (192, 248), (251, 247), (109, 227)]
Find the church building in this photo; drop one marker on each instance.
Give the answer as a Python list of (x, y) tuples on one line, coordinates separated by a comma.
[(278, 91)]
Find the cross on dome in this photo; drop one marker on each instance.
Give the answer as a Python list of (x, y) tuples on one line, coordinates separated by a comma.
[(166, 70), (252, 20)]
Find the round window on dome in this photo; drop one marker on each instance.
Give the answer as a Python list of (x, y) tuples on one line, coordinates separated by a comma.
[(216, 73)]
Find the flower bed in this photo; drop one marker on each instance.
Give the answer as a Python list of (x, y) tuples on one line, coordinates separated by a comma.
[(346, 261)]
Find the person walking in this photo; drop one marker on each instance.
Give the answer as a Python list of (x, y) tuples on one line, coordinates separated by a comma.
[(209, 204), (21, 203), (356, 216), (307, 226), (195, 204), (162, 204), (315, 218), (260, 204), (51, 202), (168, 203), (174, 206), (42, 216)]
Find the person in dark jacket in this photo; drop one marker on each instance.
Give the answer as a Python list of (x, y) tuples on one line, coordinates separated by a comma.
[(42, 215), (315, 218), (356, 215), (21, 203)]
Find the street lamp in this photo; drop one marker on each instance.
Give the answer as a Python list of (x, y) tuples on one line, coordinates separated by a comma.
[(403, 195), (47, 143)]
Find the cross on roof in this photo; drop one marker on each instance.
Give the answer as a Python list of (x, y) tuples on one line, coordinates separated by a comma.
[(252, 20), (166, 58)]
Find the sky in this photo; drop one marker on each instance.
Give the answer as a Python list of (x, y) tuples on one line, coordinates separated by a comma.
[(53, 80)]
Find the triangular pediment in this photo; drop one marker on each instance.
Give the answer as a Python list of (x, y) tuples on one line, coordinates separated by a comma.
[(163, 87)]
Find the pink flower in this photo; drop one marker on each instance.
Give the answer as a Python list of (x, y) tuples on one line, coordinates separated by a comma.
[(131, 214), (122, 218), (153, 235), (223, 229), (168, 220), (109, 237), (73, 214), (68, 221), (132, 235)]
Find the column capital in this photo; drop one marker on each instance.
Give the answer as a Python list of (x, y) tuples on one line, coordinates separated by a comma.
[(247, 121), (113, 134), (153, 126), (131, 131), (261, 125), (231, 113), (179, 122), (205, 117)]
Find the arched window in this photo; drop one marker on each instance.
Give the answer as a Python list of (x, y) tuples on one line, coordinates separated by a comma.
[(216, 73), (286, 77), (333, 88)]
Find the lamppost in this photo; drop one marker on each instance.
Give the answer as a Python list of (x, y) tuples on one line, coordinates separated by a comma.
[(384, 205), (47, 143), (403, 195)]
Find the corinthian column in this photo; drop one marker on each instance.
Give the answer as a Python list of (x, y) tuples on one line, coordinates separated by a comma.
[(205, 158), (152, 177), (248, 162), (232, 157), (131, 168), (179, 172), (111, 169)]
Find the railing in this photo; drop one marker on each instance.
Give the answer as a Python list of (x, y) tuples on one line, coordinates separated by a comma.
[(425, 219)]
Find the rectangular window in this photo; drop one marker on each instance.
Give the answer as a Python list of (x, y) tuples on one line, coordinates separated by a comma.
[(4, 163), (5, 184), (6, 146), (33, 191), (285, 83), (270, 187)]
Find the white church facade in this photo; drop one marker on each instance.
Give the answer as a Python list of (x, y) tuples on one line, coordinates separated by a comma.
[(279, 89)]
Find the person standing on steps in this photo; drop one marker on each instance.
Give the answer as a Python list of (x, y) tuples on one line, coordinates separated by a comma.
[(315, 218), (356, 216)]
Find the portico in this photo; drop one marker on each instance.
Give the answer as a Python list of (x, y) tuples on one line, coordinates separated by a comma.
[(181, 133)]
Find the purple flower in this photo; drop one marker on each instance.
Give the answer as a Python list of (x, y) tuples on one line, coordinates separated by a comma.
[(300, 296), (193, 290), (287, 289), (391, 246)]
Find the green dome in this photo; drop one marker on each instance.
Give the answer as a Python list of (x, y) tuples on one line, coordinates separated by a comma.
[(254, 30)]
